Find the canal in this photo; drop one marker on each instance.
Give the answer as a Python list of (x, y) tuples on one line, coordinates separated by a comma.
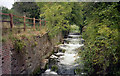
[(66, 61)]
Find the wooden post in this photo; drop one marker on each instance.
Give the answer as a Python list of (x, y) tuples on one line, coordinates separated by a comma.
[(11, 20), (40, 23), (33, 23), (24, 23)]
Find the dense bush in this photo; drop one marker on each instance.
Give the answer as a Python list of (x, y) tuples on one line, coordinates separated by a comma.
[(101, 53)]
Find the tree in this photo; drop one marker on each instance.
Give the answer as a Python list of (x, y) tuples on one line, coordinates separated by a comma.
[(55, 14), (77, 15), (29, 9), (7, 11)]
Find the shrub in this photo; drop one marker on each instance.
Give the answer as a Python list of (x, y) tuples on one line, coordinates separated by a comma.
[(19, 45)]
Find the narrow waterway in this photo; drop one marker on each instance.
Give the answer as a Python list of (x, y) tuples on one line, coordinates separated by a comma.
[(66, 61)]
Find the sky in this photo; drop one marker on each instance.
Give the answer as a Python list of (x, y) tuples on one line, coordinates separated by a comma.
[(6, 3)]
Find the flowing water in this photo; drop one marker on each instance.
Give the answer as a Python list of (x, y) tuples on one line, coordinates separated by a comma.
[(66, 60)]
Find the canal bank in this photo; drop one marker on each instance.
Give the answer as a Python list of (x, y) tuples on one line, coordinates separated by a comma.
[(27, 54)]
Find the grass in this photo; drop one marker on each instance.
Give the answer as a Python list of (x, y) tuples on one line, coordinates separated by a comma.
[(17, 38), (18, 29)]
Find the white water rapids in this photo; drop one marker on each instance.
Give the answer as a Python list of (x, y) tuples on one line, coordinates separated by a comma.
[(66, 62)]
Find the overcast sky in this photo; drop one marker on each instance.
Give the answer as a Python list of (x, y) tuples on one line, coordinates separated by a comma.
[(6, 3)]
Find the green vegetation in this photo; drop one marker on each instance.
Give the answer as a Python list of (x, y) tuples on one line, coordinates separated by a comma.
[(58, 43), (63, 51), (78, 70), (4, 40), (102, 48), (56, 14), (35, 44), (99, 23), (54, 68), (76, 16), (19, 45), (75, 28), (29, 9), (5, 10)]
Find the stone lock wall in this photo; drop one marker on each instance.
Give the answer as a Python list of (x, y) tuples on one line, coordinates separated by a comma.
[(31, 57), (6, 58)]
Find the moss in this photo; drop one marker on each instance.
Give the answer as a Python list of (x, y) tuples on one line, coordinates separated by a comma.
[(35, 44), (54, 68), (4, 40), (63, 51), (58, 43), (52, 52)]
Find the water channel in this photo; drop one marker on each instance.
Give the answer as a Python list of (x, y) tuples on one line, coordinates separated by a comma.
[(66, 60)]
